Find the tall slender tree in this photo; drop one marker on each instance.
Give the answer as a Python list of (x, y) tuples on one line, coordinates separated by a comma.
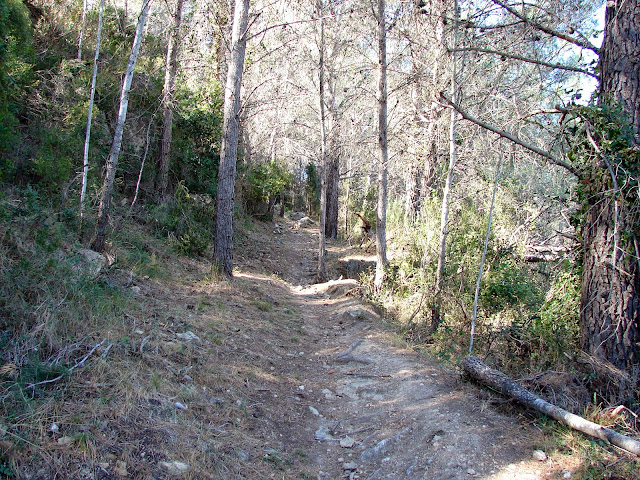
[(446, 192), (225, 197), (381, 210), (98, 242), (92, 95), (171, 70), (322, 263)]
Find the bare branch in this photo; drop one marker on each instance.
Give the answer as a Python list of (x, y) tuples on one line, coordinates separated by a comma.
[(576, 41), (548, 156), (527, 60)]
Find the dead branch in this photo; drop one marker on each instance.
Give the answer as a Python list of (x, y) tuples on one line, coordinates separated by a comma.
[(350, 349), (346, 357), (498, 381), (551, 158), (535, 61), (79, 364), (568, 38)]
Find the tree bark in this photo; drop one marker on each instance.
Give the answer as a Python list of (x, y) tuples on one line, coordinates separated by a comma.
[(381, 210), (171, 70), (333, 178), (223, 241), (92, 95), (112, 161), (322, 263), (498, 381), (619, 59), (610, 305), (446, 192)]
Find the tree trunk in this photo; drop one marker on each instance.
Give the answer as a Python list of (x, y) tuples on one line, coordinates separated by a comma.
[(223, 242), (92, 95), (112, 161), (610, 306), (619, 59), (412, 193), (381, 211), (498, 381), (82, 27), (333, 174), (322, 261), (171, 70), (446, 192)]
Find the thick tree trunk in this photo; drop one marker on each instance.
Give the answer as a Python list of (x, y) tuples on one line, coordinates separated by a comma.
[(610, 306), (171, 69), (620, 59), (381, 210), (223, 242), (112, 161), (498, 381)]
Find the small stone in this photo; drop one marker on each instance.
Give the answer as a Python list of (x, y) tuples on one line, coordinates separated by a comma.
[(323, 434), (471, 472), (181, 406), (188, 337), (174, 468), (301, 388), (121, 468), (54, 428), (350, 466), (135, 289), (347, 442), (65, 440), (314, 411), (566, 474), (539, 455)]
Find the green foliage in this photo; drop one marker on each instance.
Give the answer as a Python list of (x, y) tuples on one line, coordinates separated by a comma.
[(187, 220), (264, 182), (312, 187), (15, 64), (507, 286), (197, 138), (267, 179), (604, 151), (556, 328)]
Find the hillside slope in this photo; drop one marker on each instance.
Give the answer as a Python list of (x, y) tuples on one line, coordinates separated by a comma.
[(268, 376)]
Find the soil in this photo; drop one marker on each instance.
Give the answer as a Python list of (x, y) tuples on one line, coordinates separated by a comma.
[(273, 376)]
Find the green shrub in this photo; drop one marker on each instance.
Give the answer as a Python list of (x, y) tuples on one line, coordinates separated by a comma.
[(556, 327), (188, 221)]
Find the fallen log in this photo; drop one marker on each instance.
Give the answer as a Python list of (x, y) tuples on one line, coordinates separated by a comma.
[(476, 369)]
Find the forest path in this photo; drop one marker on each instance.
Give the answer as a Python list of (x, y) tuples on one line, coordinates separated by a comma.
[(380, 410)]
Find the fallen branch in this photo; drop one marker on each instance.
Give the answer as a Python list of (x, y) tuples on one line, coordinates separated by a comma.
[(79, 364), (351, 358), (477, 370), (346, 357), (350, 349)]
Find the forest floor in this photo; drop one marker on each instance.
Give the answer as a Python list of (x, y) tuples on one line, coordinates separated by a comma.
[(255, 379)]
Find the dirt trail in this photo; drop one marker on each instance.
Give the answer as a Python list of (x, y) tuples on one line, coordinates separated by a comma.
[(381, 411)]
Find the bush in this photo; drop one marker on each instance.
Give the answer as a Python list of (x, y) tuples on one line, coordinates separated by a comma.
[(188, 221), (263, 184)]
